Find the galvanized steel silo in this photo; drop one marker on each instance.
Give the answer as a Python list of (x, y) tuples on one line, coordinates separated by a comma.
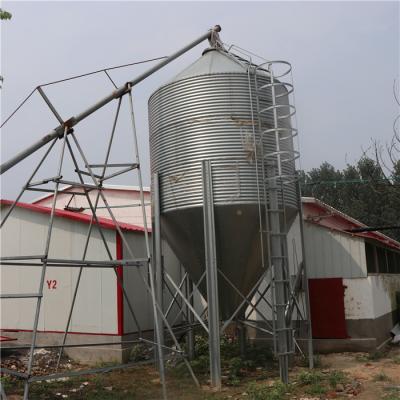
[(208, 112)]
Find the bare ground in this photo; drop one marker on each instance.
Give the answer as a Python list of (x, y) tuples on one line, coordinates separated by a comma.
[(365, 377), (376, 376)]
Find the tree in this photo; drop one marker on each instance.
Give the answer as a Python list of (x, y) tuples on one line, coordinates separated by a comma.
[(369, 190), (388, 155), (4, 14), (362, 191), (327, 193)]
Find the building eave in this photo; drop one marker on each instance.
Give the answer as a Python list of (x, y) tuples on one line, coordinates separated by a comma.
[(331, 218), (85, 218)]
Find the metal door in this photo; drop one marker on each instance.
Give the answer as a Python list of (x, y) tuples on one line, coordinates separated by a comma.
[(327, 308)]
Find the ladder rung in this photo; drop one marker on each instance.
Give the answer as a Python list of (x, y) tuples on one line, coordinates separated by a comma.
[(20, 296), (282, 329), (135, 165), (273, 234), (287, 353), (260, 91), (281, 280)]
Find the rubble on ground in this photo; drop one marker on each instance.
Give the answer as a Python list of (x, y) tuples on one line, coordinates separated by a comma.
[(44, 361)]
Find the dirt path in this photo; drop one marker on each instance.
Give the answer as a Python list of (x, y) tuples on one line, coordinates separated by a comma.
[(377, 376)]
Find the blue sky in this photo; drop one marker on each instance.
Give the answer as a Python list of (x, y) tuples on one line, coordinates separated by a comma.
[(345, 57)]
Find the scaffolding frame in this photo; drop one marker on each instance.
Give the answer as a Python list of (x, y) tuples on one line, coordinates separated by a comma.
[(64, 132)]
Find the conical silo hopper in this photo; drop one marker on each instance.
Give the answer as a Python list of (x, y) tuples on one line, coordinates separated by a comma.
[(209, 112)]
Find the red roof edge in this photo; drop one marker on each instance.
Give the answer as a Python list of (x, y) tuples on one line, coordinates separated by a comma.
[(342, 222), (103, 222), (65, 190), (6, 339)]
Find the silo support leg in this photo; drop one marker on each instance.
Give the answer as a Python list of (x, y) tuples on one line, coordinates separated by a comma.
[(211, 276), (242, 333), (157, 253), (2, 393), (190, 320), (310, 349)]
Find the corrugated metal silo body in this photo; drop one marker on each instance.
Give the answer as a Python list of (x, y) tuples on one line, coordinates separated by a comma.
[(209, 112)]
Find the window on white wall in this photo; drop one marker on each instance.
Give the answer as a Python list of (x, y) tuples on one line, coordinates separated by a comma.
[(381, 260), (370, 256)]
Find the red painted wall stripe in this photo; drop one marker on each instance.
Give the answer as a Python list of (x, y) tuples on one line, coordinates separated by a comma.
[(69, 332), (13, 330), (120, 294)]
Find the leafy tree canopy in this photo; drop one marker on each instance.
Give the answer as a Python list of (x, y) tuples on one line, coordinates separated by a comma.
[(4, 14), (362, 191)]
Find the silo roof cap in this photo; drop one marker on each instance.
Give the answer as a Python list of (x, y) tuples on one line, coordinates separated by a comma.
[(213, 61)]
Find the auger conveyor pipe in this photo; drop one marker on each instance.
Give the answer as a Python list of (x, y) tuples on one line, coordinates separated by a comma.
[(59, 131)]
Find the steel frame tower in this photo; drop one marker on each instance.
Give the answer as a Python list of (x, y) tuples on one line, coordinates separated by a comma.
[(63, 133)]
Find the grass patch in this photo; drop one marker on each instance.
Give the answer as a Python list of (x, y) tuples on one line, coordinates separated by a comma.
[(372, 356), (336, 377), (139, 352), (375, 355), (316, 389), (234, 366), (107, 395), (381, 377), (396, 360), (315, 381), (105, 364), (393, 395), (11, 383), (310, 377), (262, 392)]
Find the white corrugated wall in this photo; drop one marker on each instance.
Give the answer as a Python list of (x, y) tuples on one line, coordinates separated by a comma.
[(95, 311), (332, 254), (141, 298)]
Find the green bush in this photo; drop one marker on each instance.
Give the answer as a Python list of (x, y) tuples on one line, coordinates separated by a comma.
[(8, 382), (201, 345), (201, 364), (138, 353), (235, 365), (316, 389), (310, 377), (336, 377), (232, 363)]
